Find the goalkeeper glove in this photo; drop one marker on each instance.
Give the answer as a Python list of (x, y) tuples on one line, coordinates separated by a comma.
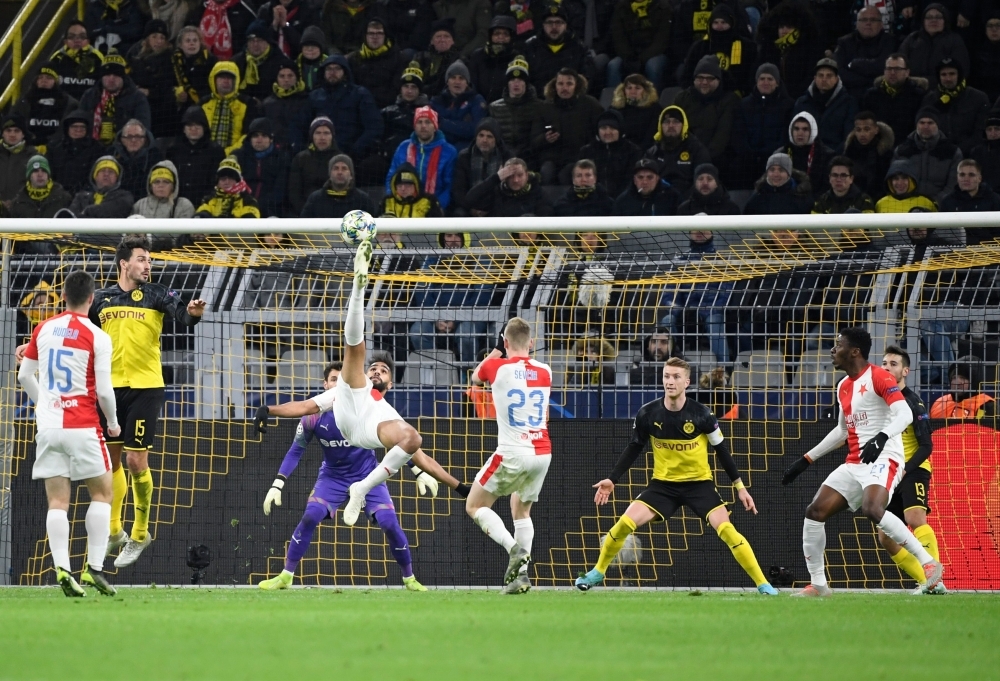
[(274, 494), (260, 419), (499, 346), (424, 482), (795, 470), (873, 449)]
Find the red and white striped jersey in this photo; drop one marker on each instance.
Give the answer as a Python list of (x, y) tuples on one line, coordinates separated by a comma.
[(864, 402), (521, 389), (68, 348)]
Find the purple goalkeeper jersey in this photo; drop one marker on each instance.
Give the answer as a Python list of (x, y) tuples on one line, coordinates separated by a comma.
[(341, 459)]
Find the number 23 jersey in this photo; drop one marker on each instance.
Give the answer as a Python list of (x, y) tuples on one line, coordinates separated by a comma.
[(521, 389)]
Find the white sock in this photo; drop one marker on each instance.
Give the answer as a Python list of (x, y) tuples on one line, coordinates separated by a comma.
[(493, 527), (57, 525), (354, 325), (897, 531), (524, 533), (813, 546), (391, 463), (98, 525), (396, 458)]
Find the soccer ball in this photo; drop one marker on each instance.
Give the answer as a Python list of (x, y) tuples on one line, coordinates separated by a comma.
[(631, 552), (357, 226)]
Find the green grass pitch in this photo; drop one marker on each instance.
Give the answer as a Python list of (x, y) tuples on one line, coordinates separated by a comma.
[(220, 633)]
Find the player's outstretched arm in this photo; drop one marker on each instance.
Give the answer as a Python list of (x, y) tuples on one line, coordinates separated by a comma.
[(26, 377), (498, 351), (833, 440), (427, 466), (295, 409)]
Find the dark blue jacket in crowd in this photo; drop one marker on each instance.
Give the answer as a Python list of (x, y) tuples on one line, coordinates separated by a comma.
[(356, 119)]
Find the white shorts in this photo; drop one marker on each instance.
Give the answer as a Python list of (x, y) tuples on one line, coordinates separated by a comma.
[(74, 453), (359, 414), (505, 474), (851, 479)]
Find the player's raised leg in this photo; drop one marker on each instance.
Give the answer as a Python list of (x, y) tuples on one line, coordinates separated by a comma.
[(353, 372), (635, 516), (97, 521), (57, 490)]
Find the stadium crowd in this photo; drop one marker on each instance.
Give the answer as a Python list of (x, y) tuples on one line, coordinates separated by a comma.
[(221, 108)]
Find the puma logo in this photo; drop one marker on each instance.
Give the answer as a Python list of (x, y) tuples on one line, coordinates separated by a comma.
[(733, 548), (658, 425)]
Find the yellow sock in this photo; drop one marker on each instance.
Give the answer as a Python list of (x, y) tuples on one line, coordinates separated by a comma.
[(142, 490), (925, 535), (909, 564), (738, 544), (119, 488), (614, 542)]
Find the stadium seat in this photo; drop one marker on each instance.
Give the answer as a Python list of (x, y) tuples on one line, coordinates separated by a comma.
[(700, 361), (668, 95), (430, 367), (816, 370), (740, 197), (255, 377), (301, 370), (607, 94), (759, 370)]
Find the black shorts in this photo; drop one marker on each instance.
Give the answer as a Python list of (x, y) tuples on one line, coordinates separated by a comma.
[(138, 415), (911, 492), (665, 497)]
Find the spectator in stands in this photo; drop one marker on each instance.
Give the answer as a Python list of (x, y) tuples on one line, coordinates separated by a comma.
[(843, 194), (987, 154), (114, 101), (527, 17), (378, 64), (760, 126), (902, 192), (708, 196), (555, 49), (105, 199), (406, 198), (789, 38), (195, 156), (476, 163), (192, 64), (709, 300), (72, 154), (648, 194), (228, 113), (896, 96), (288, 19), (114, 25), (782, 190), (430, 154), (972, 195), (352, 109), (152, 71), (614, 155), (310, 167), (77, 62), (933, 157), (926, 47), (398, 120), (163, 200), (586, 197), (14, 154), (439, 55), (593, 361), (338, 196), (869, 146), (44, 106), (677, 151), (223, 24), (737, 56), (231, 197), (471, 19), (310, 60), (286, 105), (657, 348), (344, 23), (565, 123), (488, 64), (965, 401), (459, 107), (640, 32), (259, 63), (517, 109), (636, 100), (807, 151), (861, 54), (711, 109), (962, 108), (136, 151), (265, 168), (986, 61), (409, 24), (692, 20), (831, 106), (511, 192), (39, 197)]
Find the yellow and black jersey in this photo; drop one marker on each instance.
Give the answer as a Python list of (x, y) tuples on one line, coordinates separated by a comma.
[(917, 436), (679, 440), (134, 320)]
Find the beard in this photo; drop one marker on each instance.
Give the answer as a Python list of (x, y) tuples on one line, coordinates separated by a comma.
[(378, 383)]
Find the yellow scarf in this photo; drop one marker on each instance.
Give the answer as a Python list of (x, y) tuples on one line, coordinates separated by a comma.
[(556, 48), (890, 90), (353, 11), (39, 194), (98, 198), (281, 92), (787, 40), (640, 8), (369, 53), (253, 74), (734, 58)]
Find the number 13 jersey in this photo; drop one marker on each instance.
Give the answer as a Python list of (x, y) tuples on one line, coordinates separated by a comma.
[(521, 389)]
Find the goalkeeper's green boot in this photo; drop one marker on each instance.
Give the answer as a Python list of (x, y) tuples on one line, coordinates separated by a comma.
[(412, 584), (282, 581), (95, 578), (68, 584)]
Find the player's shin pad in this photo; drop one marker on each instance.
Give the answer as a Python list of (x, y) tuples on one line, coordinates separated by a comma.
[(910, 565), (614, 542), (744, 555), (925, 535), (97, 521), (119, 488), (142, 490)]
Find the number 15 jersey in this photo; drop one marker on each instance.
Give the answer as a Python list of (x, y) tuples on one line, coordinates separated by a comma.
[(521, 389)]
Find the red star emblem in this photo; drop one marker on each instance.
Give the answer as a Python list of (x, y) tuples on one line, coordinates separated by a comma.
[(863, 389)]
